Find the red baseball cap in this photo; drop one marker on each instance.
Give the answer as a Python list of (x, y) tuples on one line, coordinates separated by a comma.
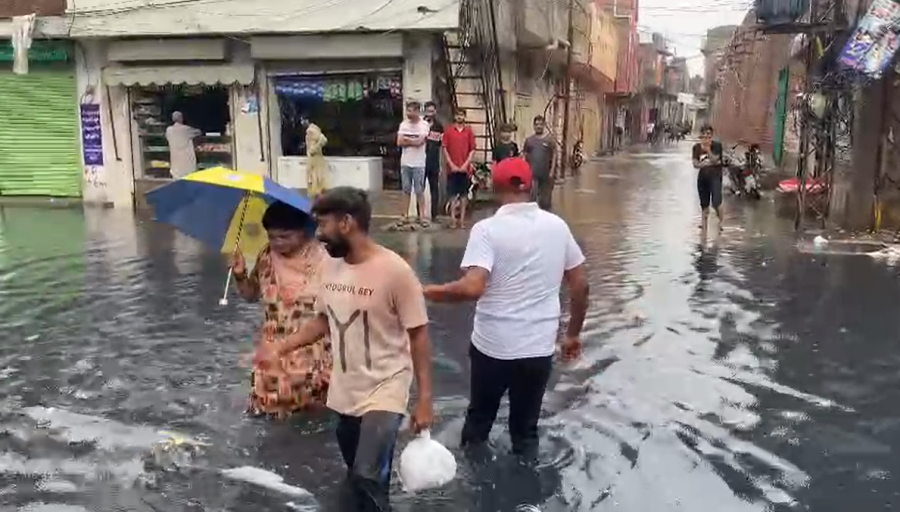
[(512, 173)]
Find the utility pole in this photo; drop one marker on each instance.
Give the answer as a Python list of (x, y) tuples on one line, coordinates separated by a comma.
[(570, 36)]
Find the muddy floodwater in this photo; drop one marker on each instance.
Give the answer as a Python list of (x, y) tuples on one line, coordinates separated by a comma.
[(739, 375)]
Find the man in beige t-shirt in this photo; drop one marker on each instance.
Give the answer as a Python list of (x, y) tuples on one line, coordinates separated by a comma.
[(371, 304)]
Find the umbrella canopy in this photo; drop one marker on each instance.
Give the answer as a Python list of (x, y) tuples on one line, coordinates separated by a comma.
[(219, 206)]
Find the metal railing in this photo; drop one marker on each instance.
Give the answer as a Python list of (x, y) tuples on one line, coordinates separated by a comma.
[(478, 38)]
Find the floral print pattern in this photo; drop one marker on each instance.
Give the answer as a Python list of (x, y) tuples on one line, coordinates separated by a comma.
[(286, 306)]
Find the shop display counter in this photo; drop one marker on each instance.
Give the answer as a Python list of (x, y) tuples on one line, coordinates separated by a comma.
[(362, 172)]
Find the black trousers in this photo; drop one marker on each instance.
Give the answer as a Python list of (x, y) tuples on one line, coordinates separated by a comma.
[(434, 181), (367, 446), (525, 380), (542, 192), (709, 187)]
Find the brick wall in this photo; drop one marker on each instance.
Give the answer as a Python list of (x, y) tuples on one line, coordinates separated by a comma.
[(10, 8), (747, 89)]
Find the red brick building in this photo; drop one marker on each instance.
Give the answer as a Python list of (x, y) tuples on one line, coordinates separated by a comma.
[(621, 102), (10, 8), (746, 85)]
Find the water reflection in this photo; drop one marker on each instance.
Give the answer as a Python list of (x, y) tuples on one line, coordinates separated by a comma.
[(743, 376)]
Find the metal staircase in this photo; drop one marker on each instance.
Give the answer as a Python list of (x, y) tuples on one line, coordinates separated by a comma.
[(472, 62)]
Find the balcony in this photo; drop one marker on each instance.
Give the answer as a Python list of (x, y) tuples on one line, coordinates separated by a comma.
[(541, 23), (10, 8)]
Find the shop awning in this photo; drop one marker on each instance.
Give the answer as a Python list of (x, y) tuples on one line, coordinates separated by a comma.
[(207, 74), (169, 18)]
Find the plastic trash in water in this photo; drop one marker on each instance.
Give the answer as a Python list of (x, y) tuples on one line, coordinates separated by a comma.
[(820, 242), (266, 479), (426, 464)]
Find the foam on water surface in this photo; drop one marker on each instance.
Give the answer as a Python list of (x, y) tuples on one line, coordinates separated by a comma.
[(266, 479)]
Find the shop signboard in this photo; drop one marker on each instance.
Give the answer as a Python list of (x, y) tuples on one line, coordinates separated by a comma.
[(91, 135), (40, 51)]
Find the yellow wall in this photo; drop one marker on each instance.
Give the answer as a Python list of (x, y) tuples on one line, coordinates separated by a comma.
[(591, 123), (605, 40)]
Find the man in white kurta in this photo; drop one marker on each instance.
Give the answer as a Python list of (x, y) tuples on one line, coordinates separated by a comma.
[(182, 158)]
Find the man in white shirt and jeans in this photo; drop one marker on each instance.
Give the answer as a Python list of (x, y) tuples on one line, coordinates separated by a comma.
[(515, 264), (411, 138)]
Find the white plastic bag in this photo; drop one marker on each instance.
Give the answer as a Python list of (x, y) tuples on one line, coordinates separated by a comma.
[(426, 464)]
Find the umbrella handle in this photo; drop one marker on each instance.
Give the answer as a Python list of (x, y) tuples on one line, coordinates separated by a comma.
[(224, 300), (237, 243)]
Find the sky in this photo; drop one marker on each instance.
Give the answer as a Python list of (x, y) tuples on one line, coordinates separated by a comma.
[(685, 22)]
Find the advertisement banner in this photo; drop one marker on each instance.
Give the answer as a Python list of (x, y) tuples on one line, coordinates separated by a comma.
[(874, 42), (91, 135)]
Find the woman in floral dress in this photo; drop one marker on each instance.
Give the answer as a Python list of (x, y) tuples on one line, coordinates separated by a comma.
[(285, 280)]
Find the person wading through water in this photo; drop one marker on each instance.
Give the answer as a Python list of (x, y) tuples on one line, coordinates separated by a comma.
[(285, 280), (707, 159), (515, 264), (371, 304)]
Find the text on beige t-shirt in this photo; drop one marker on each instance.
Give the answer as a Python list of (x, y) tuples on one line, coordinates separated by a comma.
[(369, 307)]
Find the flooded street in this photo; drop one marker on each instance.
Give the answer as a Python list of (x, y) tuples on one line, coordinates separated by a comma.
[(746, 376)]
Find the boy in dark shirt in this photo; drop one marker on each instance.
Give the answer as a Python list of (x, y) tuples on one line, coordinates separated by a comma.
[(506, 147), (707, 159)]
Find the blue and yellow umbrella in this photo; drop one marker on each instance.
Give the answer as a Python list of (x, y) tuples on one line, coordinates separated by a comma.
[(223, 208)]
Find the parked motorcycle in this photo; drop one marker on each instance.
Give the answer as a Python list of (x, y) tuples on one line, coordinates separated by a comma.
[(743, 173), (577, 156)]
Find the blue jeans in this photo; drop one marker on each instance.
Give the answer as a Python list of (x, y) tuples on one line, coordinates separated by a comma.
[(412, 179), (367, 446)]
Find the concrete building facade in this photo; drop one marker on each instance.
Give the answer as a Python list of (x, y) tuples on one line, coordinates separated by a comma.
[(253, 55)]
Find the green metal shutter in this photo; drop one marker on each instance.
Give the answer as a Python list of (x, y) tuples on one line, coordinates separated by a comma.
[(39, 134), (780, 115)]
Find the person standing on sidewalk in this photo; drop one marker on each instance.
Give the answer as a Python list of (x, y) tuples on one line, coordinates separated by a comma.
[(515, 264), (539, 150), (433, 157), (411, 137), (459, 148), (370, 303), (707, 159)]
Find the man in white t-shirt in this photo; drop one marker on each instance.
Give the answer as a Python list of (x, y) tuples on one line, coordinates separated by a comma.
[(515, 264), (411, 138)]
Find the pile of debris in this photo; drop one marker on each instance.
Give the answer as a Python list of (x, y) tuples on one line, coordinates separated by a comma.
[(409, 224)]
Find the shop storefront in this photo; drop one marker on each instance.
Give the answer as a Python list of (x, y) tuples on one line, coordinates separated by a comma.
[(352, 86), (359, 114), (161, 149), (39, 131), (204, 108)]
